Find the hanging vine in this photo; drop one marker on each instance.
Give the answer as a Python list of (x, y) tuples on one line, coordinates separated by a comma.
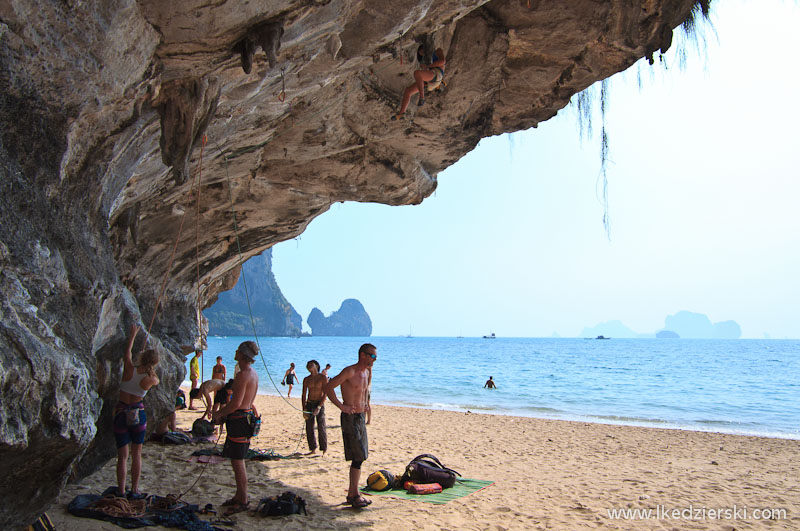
[(693, 31)]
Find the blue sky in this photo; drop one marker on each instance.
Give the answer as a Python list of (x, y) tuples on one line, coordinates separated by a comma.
[(704, 181)]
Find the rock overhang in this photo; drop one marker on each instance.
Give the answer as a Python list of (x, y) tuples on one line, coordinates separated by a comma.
[(127, 120)]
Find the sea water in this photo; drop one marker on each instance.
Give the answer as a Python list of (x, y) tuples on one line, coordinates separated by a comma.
[(732, 386)]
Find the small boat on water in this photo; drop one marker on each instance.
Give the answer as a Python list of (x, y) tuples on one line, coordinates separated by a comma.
[(602, 337), (490, 336)]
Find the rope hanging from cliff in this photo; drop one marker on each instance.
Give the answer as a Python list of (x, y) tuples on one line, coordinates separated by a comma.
[(244, 281), (174, 249), (282, 98), (197, 252)]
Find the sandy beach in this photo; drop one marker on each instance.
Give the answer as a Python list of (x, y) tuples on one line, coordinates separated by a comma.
[(548, 474)]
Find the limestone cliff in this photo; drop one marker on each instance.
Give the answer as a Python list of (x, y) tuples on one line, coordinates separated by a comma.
[(350, 320), (146, 144), (263, 302)]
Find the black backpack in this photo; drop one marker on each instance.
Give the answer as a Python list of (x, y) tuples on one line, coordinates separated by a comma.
[(283, 505), (426, 468), (175, 437), (202, 428)]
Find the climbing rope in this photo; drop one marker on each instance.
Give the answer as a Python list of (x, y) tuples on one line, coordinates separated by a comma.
[(244, 279), (197, 253), (282, 94), (166, 274), (120, 507), (203, 471)]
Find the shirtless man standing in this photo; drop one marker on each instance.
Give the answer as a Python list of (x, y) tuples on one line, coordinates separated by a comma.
[(236, 415), (355, 383), (313, 400)]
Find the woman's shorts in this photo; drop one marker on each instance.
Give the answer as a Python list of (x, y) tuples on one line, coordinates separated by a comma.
[(130, 424)]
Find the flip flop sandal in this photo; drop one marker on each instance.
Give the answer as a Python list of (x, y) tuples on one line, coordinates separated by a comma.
[(237, 508), (230, 502), (358, 502)]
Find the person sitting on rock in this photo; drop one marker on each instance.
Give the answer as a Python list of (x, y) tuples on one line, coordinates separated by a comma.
[(431, 75)]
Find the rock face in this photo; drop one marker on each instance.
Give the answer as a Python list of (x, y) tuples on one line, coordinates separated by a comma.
[(699, 326), (350, 320), (147, 147), (272, 313)]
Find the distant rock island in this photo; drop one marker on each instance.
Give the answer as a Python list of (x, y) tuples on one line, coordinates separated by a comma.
[(697, 325), (610, 329), (350, 320), (683, 324), (272, 313)]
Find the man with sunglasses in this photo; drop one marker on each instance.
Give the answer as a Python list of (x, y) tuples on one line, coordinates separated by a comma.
[(354, 381)]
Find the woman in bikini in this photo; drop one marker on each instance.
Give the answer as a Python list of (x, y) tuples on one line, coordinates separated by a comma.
[(288, 379), (432, 73), (130, 421)]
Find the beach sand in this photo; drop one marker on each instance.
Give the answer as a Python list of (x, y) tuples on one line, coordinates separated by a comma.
[(548, 474)]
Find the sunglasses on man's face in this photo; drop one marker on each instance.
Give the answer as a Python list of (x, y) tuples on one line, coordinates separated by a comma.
[(373, 356)]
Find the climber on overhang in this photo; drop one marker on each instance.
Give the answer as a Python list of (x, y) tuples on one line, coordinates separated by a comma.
[(431, 76)]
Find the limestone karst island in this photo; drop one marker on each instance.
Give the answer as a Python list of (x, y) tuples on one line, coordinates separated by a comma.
[(149, 148)]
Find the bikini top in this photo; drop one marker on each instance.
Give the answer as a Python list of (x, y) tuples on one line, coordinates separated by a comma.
[(133, 386), (434, 59)]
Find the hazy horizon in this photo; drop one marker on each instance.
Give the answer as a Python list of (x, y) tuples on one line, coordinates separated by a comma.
[(703, 180)]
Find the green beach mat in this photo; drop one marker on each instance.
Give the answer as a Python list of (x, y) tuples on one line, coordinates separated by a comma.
[(462, 487)]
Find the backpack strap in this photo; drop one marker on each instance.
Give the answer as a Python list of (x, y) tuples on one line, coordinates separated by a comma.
[(434, 462), (429, 457)]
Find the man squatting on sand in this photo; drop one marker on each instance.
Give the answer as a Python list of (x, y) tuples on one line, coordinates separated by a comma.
[(237, 414), (354, 380), (313, 401), (130, 421)]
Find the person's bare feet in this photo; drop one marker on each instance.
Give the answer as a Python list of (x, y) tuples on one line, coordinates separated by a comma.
[(312, 452)]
